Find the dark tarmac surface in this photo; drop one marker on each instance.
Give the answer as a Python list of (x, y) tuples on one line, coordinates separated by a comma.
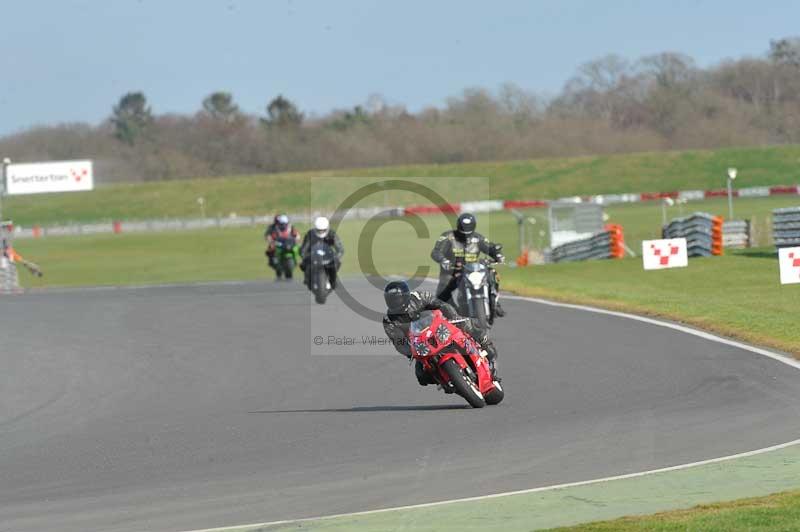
[(178, 408)]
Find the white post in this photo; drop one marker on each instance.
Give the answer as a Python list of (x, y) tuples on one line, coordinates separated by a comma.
[(664, 203), (6, 162), (731, 176)]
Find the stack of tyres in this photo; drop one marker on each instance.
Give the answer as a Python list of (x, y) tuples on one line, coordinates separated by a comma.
[(597, 246), (702, 231), (736, 234), (786, 227), (9, 278)]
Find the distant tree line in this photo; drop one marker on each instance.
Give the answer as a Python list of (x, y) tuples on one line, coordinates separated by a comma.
[(611, 105)]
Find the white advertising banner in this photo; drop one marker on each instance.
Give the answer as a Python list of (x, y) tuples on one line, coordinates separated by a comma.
[(789, 259), (40, 178), (662, 254)]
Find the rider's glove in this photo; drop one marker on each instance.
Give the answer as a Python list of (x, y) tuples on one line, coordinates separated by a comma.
[(445, 264), (500, 258)]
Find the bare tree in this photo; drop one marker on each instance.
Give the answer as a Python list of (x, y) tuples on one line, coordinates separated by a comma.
[(668, 69), (785, 51)]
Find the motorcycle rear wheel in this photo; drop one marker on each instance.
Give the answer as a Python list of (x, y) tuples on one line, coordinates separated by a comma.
[(464, 387)]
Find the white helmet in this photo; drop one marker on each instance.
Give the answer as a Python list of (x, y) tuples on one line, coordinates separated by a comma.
[(321, 226)]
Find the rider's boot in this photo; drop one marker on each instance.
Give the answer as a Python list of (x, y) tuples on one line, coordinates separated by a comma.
[(491, 356), (493, 369), (498, 309)]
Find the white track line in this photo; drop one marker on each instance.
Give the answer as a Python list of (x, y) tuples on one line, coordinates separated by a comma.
[(701, 334), (688, 330), (518, 492)]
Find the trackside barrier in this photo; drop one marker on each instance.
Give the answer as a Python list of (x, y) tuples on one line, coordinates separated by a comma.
[(494, 205), (522, 260), (786, 227), (617, 244), (736, 234), (702, 231), (447, 208), (9, 278), (607, 244)]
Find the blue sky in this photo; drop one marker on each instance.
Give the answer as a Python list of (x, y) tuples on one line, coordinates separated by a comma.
[(71, 60)]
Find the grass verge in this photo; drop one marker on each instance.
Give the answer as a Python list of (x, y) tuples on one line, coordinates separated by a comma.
[(538, 178), (773, 513), (737, 295)]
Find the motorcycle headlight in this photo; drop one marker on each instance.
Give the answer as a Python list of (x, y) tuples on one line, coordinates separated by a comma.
[(442, 334), (476, 278), (422, 348)]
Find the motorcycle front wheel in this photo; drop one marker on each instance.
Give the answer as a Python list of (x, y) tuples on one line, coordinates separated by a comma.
[(479, 314), (495, 396), (321, 292), (288, 267), (463, 385)]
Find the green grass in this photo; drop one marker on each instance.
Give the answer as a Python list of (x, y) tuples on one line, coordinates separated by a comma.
[(540, 178), (774, 513), (714, 293), (222, 254)]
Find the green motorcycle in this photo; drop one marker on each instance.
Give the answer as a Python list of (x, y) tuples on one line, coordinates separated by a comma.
[(287, 256)]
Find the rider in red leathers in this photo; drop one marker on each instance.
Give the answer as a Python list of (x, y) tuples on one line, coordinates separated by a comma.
[(404, 306), (279, 229)]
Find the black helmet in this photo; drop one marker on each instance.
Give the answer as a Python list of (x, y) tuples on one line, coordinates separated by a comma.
[(466, 224), (397, 295)]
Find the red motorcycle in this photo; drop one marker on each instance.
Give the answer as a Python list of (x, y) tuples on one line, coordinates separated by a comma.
[(454, 359)]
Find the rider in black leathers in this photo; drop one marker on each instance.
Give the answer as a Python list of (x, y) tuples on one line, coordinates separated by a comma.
[(321, 232), (404, 306), (454, 248)]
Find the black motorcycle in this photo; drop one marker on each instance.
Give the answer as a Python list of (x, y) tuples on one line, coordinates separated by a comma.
[(477, 292), (320, 260)]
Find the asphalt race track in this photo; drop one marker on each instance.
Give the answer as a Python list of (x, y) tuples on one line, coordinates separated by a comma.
[(177, 408)]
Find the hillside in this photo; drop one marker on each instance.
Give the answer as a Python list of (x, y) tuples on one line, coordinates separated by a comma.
[(539, 178)]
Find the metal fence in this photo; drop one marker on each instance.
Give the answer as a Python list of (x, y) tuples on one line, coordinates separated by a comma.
[(190, 224), (786, 227), (702, 231)]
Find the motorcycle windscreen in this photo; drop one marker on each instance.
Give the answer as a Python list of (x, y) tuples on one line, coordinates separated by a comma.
[(420, 324)]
